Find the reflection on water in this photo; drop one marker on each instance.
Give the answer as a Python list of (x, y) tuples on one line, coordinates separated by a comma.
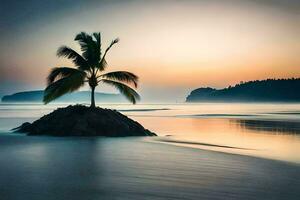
[(50, 168), (255, 138), (264, 130), (272, 127)]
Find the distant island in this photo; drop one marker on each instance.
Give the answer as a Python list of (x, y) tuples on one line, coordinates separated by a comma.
[(270, 90), (82, 96)]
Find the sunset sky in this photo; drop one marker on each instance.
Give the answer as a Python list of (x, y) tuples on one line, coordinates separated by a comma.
[(173, 46)]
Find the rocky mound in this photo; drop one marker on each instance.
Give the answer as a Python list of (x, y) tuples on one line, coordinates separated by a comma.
[(80, 120)]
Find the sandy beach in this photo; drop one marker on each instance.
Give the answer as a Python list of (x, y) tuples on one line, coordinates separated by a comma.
[(135, 168)]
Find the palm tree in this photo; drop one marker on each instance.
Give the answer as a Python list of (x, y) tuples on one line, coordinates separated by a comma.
[(89, 68)]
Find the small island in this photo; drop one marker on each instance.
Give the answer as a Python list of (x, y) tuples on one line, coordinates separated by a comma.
[(270, 90), (79, 120)]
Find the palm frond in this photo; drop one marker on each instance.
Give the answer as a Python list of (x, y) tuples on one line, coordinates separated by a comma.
[(60, 72), (77, 59), (64, 85), (97, 37), (115, 41), (102, 65), (122, 76), (89, 48), (127, 91)]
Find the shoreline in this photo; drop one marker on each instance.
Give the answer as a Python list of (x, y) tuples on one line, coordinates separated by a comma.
[(199, 146)]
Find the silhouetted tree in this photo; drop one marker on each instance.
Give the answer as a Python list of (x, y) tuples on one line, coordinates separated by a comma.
[(89, 68)]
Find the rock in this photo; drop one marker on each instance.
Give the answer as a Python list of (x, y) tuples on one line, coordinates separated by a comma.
[(80, 120)]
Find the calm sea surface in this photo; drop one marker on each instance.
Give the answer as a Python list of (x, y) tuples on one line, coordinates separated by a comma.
[(261, 130)]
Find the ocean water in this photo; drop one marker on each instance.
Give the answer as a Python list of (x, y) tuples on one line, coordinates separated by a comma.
[(199, 154), (261, 130)]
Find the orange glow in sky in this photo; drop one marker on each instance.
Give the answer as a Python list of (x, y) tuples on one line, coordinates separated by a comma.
[(169, 44)]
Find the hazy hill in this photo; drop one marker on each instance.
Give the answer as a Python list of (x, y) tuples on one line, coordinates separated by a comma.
[(270, 90), (82, 96)]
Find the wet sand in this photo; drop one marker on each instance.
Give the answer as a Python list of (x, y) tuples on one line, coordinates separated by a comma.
[(134, 168)]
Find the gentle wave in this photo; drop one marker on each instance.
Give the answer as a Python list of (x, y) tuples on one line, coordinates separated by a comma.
[(143, 110), (200, 143), (219, 115), (284, 113)]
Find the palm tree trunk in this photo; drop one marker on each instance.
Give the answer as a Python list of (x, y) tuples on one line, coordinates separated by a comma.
[(93, 98)]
